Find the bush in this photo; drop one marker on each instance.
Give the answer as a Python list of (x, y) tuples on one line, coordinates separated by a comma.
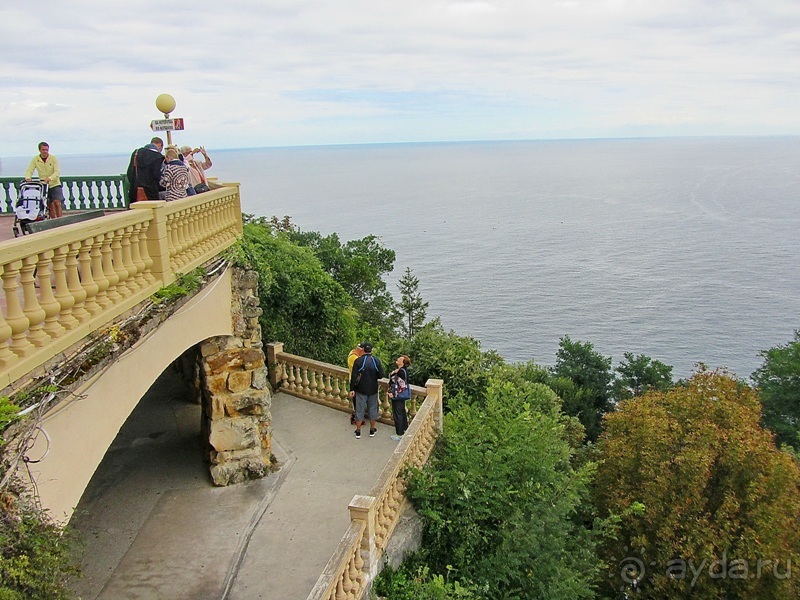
[(35, 554), (500, 497)]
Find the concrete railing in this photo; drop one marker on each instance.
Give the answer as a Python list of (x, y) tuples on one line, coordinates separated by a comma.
[(328, 384), (60, 285), (373, 517), (85, 192)]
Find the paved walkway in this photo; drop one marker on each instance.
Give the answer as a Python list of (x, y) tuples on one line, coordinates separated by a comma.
[(155, 527)]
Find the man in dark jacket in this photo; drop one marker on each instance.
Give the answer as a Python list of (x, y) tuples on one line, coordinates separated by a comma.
[(367, 370), (144, 170)]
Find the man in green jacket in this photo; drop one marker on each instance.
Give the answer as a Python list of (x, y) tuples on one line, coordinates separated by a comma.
[(46, 165)]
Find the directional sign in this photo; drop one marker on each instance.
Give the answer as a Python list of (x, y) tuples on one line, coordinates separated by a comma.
[(167, 124)]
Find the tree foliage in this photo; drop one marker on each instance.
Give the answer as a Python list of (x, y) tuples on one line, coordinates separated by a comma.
[(695, 480), (592, 376), (359, 266), (500, 495), (440, 354), (778, 380), (412, 308), (302, 304), (640, 374)]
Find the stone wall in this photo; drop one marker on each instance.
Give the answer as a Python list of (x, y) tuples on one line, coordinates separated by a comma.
[(235, 391)]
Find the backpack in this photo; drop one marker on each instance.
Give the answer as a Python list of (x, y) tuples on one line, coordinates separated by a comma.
[(364, 364)]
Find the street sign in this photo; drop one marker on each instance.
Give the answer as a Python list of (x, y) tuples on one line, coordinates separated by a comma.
[(167, 124)]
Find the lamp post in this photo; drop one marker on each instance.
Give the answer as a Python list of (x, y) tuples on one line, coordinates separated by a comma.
[(166, 104)]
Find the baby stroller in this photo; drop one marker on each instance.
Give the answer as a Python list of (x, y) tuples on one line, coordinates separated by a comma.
[(31, 206)]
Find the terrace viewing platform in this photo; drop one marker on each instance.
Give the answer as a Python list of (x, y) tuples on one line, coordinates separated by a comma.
[(138, 486)]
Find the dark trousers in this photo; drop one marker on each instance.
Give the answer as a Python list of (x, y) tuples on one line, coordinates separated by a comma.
[(399, 415)]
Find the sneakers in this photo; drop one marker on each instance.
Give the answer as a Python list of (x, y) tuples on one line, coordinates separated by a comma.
[(358, 434), (372, 432), (396, 437)]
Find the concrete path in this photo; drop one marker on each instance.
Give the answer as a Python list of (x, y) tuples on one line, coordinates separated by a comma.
[(155, 527)]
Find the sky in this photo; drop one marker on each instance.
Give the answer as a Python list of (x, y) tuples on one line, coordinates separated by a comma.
[(84, 75)]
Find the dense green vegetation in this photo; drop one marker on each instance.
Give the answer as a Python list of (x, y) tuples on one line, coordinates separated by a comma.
[(576, 480)]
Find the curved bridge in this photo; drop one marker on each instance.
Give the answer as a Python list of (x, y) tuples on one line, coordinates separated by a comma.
[(60, 287)]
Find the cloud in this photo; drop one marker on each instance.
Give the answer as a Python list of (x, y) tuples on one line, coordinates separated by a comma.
[(279, 72)]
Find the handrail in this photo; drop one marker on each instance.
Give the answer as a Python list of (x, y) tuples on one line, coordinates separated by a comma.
[(356, 560), (328, 385), (60, 285), (85, 192)]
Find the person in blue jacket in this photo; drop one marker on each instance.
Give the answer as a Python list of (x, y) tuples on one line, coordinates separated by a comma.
[(367, 370)]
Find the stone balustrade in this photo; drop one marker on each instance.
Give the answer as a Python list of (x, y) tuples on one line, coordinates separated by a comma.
[(328, 384), (373, 517), (60, 285), (355, 564)]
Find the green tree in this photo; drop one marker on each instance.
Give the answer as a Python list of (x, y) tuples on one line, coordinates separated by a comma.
[(359, 266), (412, 308), (591, 372), (640, 374), (302, 304), (439, 354), (695, 479), (778, 380), (500, 496)]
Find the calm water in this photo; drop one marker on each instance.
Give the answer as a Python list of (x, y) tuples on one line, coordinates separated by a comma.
[(683, 249)]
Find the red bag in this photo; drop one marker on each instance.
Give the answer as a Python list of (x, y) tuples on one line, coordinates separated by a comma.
[(140, 194)]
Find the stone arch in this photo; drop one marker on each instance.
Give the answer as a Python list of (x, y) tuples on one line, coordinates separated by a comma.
[(220, 322)]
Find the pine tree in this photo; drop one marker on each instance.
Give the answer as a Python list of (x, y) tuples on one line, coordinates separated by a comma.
[(412, 308)]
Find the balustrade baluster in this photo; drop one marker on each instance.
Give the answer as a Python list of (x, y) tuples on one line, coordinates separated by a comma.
[(194, 232), (339, 593), (32, 308), (183, 243), (52, 327), (15, 318), (104, 188), (207, 225), (106, 254), (87, 281), (281, 375), (65, 300), (129, 268), (337, 392), (172, 229), (144, 252), (90, 197), (97, 271), (82, 202), (318, 384), (306, 383), (6, 355), (136, 256), (118, 264), (119, 200), (328, 388)]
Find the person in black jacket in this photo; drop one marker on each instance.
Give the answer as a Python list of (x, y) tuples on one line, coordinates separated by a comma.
[(367, 370), (144, 170)]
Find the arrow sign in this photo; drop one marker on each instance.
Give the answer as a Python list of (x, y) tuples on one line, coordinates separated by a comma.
[(167, 124)]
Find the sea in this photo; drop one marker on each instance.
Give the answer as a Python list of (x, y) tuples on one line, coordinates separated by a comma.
[(682, 249)]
